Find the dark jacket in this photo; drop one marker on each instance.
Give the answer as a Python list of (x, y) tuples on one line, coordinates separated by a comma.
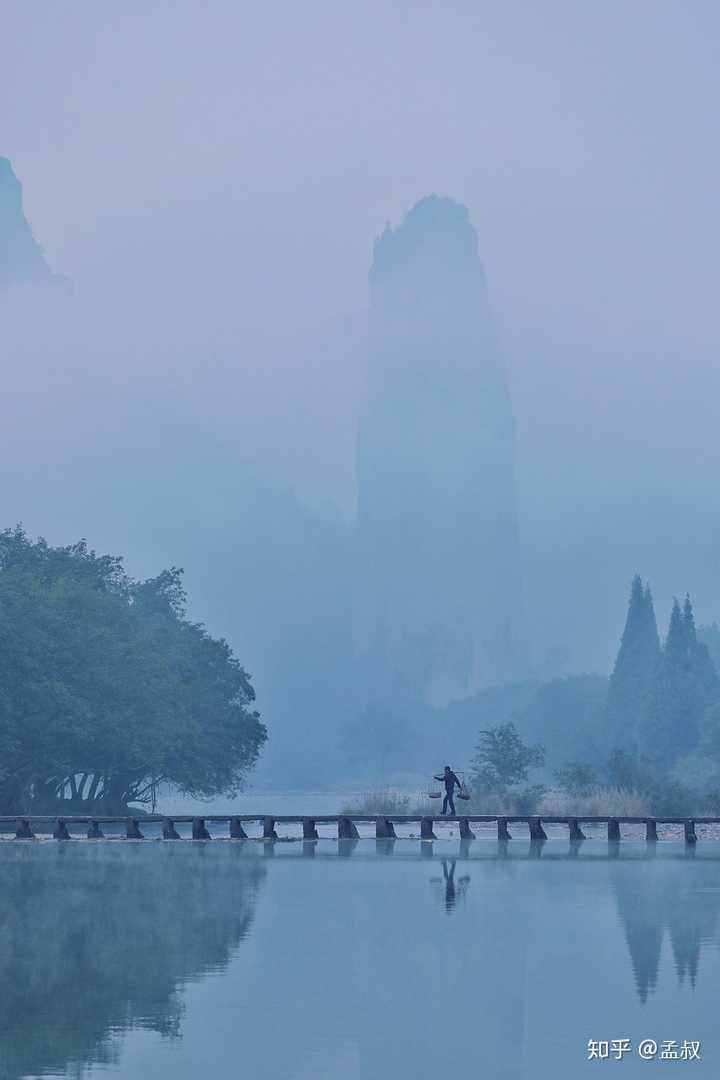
[(450, 780)]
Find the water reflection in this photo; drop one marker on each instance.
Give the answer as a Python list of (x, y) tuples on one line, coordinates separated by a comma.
[(549, 944), (653, 907), (452, 889), (97, 939), (660, 905)]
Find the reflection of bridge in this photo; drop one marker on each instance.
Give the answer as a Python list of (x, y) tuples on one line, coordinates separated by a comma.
[(27, 827)]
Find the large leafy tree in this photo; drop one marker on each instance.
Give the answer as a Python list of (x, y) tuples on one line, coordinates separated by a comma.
[(107, 690), (502, 760)]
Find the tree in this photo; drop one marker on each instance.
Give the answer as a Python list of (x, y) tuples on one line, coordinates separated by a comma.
[(567, 716), (710, 636), (684, 686), (577, 778), (701, 662), (107, 690), (628, 773), (502, 759), (634, 670)]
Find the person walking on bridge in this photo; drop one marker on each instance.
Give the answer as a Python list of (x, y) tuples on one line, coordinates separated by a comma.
[(450, 780)]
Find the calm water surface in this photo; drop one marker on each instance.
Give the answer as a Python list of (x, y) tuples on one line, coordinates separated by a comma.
[(362, 960)]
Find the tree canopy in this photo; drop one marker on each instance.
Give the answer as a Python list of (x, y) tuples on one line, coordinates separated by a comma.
[(107, 690), (684, 687), (635, 668), (502, 761)]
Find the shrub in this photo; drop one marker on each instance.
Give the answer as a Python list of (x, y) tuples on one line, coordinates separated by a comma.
[(670, 796), (577, 778)]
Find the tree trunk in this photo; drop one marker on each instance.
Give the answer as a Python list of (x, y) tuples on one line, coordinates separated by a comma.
[(92, 793)]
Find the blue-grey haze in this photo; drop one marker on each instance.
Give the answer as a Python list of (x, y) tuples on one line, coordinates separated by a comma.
[(211, 181)]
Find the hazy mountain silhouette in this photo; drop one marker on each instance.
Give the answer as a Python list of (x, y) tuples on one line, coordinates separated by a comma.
[(22, 261), (439, 607)]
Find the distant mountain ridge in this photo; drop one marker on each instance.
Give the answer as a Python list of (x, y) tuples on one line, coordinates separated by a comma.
[(22, 261)]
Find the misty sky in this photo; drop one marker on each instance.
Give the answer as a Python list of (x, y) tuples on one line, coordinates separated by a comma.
[(211, 177)]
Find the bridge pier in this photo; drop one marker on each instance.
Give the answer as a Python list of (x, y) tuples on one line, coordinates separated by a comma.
[(613, 830), (347, 830), (94, 831), (132, 830), (384, 829), (466, 832), (236, 829), (169, 831), (60, 831), (309, 829), (502, 829), (199, 831), (576, 832), (269, 829), (536, 829), (690, 837), (426, 829), (651, 831), (23, 830)]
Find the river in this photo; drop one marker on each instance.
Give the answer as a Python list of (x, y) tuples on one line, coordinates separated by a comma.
[(355, 961)]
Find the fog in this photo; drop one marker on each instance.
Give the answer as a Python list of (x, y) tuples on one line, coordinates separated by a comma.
[(211, 180)]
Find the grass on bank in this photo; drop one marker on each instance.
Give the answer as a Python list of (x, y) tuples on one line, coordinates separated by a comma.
[(611, 801), (392, 802)]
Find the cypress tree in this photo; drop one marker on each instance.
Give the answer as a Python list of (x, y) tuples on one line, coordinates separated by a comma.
[(703, 670), (634, 669), (652, 637), (685, 684)]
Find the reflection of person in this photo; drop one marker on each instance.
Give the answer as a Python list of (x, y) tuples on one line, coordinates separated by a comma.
[(449, 884), (450, 780), (453, 890)]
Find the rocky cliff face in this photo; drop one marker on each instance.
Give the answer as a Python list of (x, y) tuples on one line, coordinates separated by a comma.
[(439, 613), (21, 258)]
